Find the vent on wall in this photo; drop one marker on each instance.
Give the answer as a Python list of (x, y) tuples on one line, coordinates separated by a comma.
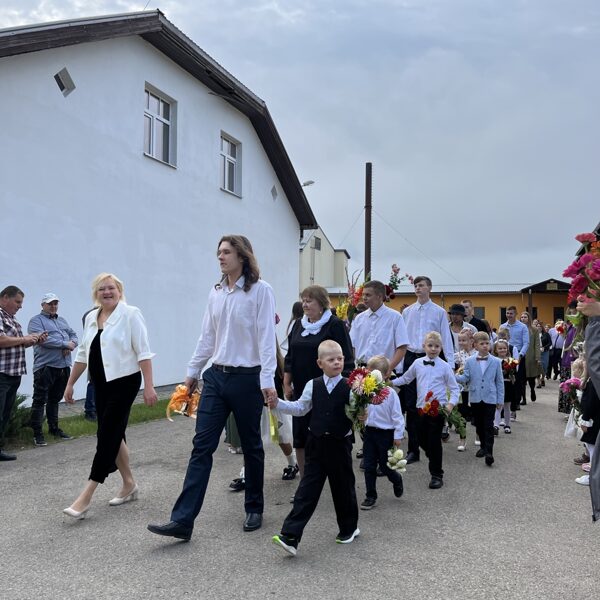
[(64, 82), (274, 193)]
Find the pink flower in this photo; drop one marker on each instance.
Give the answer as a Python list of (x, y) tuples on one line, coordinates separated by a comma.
[(572, 270), (579, 285), (593, 270), (586, 259), (585, 237)]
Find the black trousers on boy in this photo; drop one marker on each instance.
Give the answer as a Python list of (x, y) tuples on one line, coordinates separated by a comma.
[(326, 457), (483, 415), (430, 439), (376, 443)]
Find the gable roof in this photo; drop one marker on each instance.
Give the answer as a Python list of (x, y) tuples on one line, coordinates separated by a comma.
[(154, 27), (304, 241)]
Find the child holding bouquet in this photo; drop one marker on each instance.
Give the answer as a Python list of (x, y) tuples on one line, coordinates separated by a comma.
[(328, 451), (384, 428), (435, 379), (509, 374)]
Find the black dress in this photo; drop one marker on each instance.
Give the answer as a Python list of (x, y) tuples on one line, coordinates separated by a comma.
[(301, 362), (113, 403)]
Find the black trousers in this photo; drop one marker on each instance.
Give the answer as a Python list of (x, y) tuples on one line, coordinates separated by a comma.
[(408, 396), (113, 404), (9, 385), (376, 443), (484, 414), (49, 385), (521, 380), (554, 362), (326, 457), (430, 439)]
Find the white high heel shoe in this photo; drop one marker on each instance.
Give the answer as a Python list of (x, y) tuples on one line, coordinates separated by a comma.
[(118, 500), (79, 515)]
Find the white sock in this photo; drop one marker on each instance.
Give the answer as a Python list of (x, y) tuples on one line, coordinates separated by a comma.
[(291, 458)]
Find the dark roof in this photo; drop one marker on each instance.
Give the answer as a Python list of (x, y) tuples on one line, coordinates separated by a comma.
[(154, 27)]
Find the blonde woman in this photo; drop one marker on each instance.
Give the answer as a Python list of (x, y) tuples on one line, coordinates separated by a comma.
[(116, 351)]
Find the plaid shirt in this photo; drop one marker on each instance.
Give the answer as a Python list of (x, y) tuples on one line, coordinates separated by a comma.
[(12, 360)]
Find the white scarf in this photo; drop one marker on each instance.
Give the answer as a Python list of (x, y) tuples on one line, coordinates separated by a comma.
[(314, 328)]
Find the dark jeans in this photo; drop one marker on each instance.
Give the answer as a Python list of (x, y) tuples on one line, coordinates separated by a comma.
[(376, 443), (430, 439), (9, 385), (114, 399), (222, 394), (90, 400), (49, 385), (484, 414), (554, 362), (327, 457)]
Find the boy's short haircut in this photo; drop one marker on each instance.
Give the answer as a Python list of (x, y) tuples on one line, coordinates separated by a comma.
[(503, 332), (503, 342), (328, 347), (481, 336), (379, 362), (376, 286), (466, 331), (433, 336), (467, 301), (512, 308), (422, 278)]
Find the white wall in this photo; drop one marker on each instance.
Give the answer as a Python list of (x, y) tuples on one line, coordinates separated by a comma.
[(79, 197), (324, 264)]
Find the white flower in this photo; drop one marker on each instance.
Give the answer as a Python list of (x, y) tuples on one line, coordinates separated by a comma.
[(401, 463), (377, 375), (393, 460), (398, 454)]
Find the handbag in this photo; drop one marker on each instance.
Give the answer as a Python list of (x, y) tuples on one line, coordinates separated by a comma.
[(571, 429)]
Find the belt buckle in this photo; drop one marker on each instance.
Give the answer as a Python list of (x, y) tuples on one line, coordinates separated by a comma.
[(227, 369)]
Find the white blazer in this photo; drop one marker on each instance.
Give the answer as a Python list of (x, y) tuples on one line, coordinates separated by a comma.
[(124, 341)]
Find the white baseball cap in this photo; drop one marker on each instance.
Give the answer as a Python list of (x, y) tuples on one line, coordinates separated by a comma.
[(49, 297)]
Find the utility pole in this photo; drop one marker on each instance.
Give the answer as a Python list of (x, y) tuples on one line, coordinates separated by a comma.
[(368, 211)]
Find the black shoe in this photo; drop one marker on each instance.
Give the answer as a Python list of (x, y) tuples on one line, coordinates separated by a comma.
[(253, 521), (172, 529), (412, 457), (359, 453), (489, 460), (480, 453), (91, 417), (347, 538), (533, 396), (289, 544), (399, 488), (60, 434), (290, 472), (368, 503), (237, 485), (436, 483), (5, 456), (496, 430), (523, 403), (39, 441)]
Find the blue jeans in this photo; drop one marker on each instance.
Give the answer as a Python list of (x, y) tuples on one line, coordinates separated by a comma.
[(222, 394)]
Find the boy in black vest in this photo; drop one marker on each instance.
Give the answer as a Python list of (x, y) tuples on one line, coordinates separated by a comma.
[(328, 451)]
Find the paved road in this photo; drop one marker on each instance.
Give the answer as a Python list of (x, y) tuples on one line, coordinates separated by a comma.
[(521, 529)]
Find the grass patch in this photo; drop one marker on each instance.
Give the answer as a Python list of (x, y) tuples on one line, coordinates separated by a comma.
[(77, 426)]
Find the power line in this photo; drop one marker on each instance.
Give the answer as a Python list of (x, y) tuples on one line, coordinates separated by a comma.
[(360, 214), (415, 247)]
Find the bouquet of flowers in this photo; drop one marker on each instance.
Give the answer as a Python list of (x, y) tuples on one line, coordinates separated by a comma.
[(585, 276), (395, 280), (346, 309), (182, 403), (432, 406), (396, 460), (456, 420), (560, 328), (570, 389), (509, 368), (368, 387)]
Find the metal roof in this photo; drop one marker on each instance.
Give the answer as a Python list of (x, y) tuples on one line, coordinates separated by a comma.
[(154, 27)]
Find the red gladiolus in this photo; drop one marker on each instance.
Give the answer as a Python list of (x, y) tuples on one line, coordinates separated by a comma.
[(585, 238)]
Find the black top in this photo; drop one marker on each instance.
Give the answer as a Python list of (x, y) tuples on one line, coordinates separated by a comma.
[(328, 415), (95, 366), (301, 357), (590, 409), (478, 324), (546, 341)]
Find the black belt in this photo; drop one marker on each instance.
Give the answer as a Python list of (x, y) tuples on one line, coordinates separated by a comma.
[(417, 354), (228, 369)]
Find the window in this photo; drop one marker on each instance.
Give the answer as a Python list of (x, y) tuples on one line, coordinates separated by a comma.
[(502, 314), (558, 313), (64, 82), (159, 130), (479, 312), (231, 165), (317, 243)]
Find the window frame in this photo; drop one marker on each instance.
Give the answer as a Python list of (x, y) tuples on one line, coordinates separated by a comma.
[(154, 118), (226, 161)]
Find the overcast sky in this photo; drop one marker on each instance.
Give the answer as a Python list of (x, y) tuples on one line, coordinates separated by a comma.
[(481, 119)]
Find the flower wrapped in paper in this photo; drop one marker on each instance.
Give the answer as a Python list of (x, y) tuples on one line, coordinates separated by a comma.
[(182, 403), (367, 387)]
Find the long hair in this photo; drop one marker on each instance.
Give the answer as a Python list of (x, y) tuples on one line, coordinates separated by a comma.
[(243, 247), (297, 313)]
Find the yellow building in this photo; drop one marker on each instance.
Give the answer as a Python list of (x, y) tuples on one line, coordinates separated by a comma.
[(545, 300)]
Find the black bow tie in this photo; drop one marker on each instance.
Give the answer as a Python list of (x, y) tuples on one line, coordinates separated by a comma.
[(429, 362), (482, 358)]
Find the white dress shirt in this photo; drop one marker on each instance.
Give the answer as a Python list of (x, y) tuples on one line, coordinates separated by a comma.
[(387, 415), (438, 378), (379, 332), (420, 319), (238, 330), (483, 364)]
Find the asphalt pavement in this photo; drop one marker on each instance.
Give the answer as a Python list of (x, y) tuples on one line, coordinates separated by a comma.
[(520, 529)]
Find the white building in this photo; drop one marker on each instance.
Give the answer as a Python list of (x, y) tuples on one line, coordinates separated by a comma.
[(321, 263), (126, 148)]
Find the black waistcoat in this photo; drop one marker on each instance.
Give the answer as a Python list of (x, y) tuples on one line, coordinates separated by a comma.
[(328, 414)]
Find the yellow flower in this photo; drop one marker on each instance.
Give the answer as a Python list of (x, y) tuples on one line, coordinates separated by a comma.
[(369, 384), (342, 311)]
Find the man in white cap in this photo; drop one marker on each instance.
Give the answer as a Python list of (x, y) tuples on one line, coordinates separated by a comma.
[(51, 367)]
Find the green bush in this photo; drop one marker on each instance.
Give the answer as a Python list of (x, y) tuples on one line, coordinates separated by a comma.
[(19, 417)]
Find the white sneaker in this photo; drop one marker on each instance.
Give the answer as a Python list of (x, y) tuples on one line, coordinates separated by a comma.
[(477, 443), (502, 423), (583, 480), (462, 447)]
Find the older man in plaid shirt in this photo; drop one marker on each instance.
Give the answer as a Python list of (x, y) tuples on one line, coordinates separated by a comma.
[(12, 356)]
